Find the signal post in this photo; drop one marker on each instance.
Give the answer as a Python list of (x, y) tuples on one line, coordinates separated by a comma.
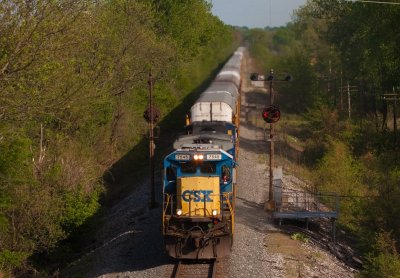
[(270, 115), (151, 114)]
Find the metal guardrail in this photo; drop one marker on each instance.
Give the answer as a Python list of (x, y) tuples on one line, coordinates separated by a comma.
[(304, 204)]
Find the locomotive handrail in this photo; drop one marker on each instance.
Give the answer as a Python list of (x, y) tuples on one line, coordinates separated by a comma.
[(166, 204), (224, 196)]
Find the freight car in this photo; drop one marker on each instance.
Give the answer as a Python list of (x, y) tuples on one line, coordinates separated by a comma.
[(199, 182)]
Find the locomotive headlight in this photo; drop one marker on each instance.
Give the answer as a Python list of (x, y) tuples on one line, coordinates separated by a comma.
[(179, 212), (214, 212), (198, 157)]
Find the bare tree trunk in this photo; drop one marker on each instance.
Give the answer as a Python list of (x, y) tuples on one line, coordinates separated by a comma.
[(384, 112)]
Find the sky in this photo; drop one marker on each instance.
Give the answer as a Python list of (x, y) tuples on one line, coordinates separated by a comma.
[(255, 13)]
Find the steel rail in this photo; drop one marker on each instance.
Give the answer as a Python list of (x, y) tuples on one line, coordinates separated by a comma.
[(214, 269), (178, 269)]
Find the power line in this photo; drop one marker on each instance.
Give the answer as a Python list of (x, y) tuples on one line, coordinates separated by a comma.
[(375, 2)]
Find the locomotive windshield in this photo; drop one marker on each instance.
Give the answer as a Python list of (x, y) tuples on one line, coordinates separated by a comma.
[(208, 168), (191, 167)]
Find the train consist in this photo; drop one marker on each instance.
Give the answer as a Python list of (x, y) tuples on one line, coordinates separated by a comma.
[(199, 182)]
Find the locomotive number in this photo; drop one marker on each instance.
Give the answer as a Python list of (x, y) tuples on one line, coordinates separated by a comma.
[(182, 157), (214, 156)]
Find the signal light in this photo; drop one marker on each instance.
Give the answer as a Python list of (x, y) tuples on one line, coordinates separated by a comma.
[(254, 76), (152, 114), (288, 78), (257, 77), (271, 114)]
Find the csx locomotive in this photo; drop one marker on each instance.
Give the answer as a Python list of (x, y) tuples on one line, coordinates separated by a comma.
[(199, 182)]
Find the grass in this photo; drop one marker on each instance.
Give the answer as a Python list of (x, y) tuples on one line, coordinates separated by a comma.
[(300, 237)]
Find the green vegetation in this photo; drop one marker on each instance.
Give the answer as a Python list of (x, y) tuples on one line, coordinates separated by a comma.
[(300, 237), (73, 90), (336, 51)]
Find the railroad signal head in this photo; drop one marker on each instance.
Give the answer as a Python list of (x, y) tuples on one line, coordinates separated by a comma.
[(288, 78), (271, 114), (257, 77), (254, 76), (152, 114)]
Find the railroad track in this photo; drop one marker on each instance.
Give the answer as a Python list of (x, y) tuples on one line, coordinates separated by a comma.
[(198, 269)]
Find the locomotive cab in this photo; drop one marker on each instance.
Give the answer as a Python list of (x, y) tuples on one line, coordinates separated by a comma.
[(198, 202)]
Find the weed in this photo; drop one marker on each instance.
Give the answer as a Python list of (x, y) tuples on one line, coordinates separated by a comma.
[(300, 237)]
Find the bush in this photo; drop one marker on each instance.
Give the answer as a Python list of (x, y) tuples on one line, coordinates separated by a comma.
[(79, 207), (300, 237), (339, 172), (11, 259), (382, 265), (314, 151), (384, 260)]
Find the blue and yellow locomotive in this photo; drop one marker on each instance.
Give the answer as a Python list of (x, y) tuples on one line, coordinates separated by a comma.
[(200, 175), (198, 190)]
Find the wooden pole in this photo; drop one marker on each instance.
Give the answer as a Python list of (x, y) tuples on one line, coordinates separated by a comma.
[(392, 97), (348, 99), (395, 119), (151, 142), (341, 91)]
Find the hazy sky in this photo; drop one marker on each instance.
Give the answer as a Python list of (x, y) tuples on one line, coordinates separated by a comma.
[(255, 13)]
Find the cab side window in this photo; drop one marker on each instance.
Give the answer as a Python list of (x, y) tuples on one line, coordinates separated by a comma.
[(225, 174), (171, 173)]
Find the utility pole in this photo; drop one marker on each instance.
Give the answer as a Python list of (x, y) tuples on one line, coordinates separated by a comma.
[(329, 79), (151, 114), (151, 141), (348, 99), (394, 97), (349, 89), (341, 91), (395, 119)]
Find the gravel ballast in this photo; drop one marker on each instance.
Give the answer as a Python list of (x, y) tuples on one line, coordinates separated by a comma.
[(130, 243)]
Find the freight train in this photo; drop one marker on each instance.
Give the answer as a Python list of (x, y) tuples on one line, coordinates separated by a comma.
[(200, 175)]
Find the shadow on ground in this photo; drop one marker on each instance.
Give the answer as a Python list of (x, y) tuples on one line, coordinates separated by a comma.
[(140, 244)]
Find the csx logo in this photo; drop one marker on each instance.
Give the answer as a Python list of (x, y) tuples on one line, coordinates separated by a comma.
[(197, 195)]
